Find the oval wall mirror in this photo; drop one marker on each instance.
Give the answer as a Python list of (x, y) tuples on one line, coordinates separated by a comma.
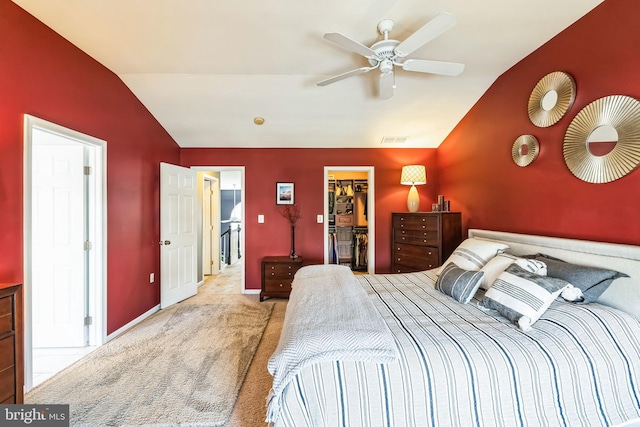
[(602, 143), (525, 150), (602, 140), (551, 98)]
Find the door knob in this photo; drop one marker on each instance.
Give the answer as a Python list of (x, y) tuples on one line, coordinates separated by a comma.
[(165, 242)]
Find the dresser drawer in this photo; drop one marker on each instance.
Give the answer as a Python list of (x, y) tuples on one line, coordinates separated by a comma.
[(416, 237), (415, 257), (6, 314), (415, 222), (7, 385), (274, 285), (279, 271), (7, 352)]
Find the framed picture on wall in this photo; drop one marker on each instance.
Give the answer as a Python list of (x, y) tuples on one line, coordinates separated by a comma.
[(284, 193)]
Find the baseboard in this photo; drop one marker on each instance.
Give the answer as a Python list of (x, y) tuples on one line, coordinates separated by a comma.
[(132, 323), (251, 291)]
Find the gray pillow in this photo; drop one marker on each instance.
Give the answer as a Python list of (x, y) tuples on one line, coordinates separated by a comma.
[(592, 281), (459, 283)]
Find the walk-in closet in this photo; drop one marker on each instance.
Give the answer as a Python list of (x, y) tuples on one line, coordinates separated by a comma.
[(348, 230)]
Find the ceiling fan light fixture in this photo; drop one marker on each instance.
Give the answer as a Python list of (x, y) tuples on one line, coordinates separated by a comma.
[(388, 53)]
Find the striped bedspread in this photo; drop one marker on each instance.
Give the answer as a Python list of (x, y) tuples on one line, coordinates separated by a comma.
[(461, 366)]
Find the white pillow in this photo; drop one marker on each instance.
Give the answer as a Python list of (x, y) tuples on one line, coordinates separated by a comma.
[(521, 296), (500, 262), (474, 253)]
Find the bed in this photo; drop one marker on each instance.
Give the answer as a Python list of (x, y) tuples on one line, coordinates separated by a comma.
[(414, 350)]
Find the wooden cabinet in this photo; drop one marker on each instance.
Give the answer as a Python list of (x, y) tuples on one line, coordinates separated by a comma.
[(277, 275), (423, 240), (11, 344)]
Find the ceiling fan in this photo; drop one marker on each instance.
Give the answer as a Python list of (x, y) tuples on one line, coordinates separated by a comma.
[(388, 53)]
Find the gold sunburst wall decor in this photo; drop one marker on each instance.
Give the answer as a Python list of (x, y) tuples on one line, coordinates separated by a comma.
[(617, 111), (551, 98), (525, 150)]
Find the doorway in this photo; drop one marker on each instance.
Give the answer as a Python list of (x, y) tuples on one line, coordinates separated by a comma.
[(64, 244), (228, 239), (349, 211)]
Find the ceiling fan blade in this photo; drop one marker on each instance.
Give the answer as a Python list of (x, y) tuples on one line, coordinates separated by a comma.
[(433, 67), (345, 75), (350, 44), (387, 84), (429, 31)]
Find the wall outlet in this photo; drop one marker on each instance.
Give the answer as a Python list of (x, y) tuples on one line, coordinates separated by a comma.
[(260, 219), (152, 277), (319, 219)]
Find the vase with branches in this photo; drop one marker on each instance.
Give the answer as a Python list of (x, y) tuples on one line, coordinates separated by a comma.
[(292, 213)]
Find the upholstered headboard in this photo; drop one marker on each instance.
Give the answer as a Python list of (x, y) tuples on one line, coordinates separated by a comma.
[(624, 293)]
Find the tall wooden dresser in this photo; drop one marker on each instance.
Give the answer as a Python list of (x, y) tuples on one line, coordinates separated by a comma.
[(423, 240), (11, 344), (277, 275)]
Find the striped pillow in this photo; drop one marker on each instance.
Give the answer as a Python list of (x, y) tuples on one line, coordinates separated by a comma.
[(474, 253), (500, 262), (459, 283), (522, 296)]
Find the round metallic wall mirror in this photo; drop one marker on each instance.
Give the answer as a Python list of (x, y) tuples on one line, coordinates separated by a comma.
[(551, 98), (525, 150), (602, 143)]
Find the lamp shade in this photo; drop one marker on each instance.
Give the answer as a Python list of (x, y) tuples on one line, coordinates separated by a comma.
[(413, 175)]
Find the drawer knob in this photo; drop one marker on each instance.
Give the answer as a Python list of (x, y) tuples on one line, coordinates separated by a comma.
[(273, 274), (430, 266), (281, 285), (429, 253), (273, 267), (398, 259)]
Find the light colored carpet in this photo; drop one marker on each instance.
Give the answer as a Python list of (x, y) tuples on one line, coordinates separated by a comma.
[(183, 366)]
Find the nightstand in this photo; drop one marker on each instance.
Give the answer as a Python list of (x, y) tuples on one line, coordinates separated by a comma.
[(277, 275)]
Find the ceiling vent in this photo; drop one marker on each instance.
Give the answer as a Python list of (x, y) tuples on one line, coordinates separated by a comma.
[(394, 139)]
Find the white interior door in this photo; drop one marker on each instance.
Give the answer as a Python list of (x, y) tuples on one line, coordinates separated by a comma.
[(58, 233), (178, 234)]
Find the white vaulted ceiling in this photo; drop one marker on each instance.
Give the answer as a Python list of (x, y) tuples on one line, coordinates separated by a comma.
[(206, 68)]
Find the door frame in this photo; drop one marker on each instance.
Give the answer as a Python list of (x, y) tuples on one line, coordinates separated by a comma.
[(243, 235), (214, 216), (98, 260), (371, 212)]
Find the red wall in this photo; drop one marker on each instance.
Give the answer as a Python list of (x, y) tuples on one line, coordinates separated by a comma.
[(305, 167), (601, 52), (44, 75)]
